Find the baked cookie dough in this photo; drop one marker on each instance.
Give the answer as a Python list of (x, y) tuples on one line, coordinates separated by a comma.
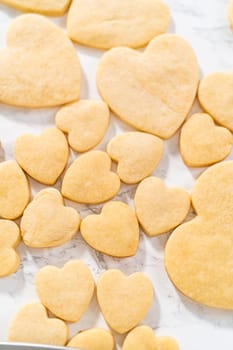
[(9, 239), (85, 122), (230, 13), (90, 180), (32, 325), (14, 189), (137, 155), (198, 254), (43, 157), (73, 284), (46, 222), (124, 300), (45, 7), (93, 339), (39, 67), (202, 142), (114, 232), (144, 89), (105, 24), (160, 209)]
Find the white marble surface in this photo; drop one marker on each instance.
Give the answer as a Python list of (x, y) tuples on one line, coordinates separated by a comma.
[(204, 24)]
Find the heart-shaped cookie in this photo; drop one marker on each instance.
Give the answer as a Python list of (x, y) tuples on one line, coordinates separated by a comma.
[(93, 339), (14, 190), (114, 232), (230, 13), (39, 67), (32, 325), (198, 254), (154, 90), (43, 157), (216, 97), (160, 209), (89, 179), (9, 239), (137, 154), (85, 122), (143, 338), (46, 222), (203, 143), (106, 24), (124, 300), (46, 7), (73, 284)]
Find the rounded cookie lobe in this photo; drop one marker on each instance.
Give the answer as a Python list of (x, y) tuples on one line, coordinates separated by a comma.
[(73, 284), (89, 179), (160, 209), (143, 89), (93, 339), (46, 222), (203, 143), (14, 189), (43, 157), (198, 254), (114, 232), (32, 325), (137, 155), (85, 122), (38, 51), (118, 295), (106, 24)]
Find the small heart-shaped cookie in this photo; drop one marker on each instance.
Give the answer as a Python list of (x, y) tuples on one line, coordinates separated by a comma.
[(143, 338), (203, 143), (106, 24), (46, 222), (9, 239), (158, 208), (144, 89), (198, 254), (114, 232), (215, 95), (124, 300), (89, 179), (46, 7), (14, 190), (73, 284), (39, 67), (43, 157), (93, 339), (137, 154), (85, 122), (32, 325)]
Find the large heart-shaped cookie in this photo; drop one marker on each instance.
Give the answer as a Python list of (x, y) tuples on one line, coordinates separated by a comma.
[(215, 95), (124, 300), (160, 209), (89, 179), (154, 90), (9, 239), (114, 232), (198, 255), (73, 284), (46, 222), (46, 7), (14, 190), (203, 143), (85, 122), (32, 325), (43, 157), (39, 67), (137, 154), (93, 339), (106, 24)]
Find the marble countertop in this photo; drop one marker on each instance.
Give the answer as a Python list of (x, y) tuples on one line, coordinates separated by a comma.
[(204, 24)]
